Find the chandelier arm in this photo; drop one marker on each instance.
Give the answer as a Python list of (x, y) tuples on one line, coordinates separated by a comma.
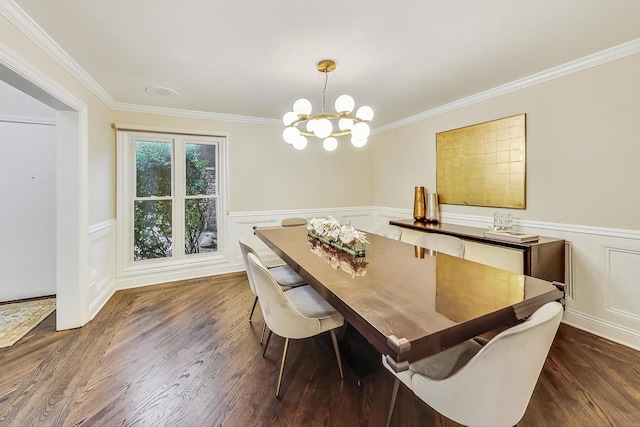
[(303, 118), (334, 134)]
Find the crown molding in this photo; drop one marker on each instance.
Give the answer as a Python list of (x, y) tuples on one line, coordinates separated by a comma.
[(176, 112), (626, 49), (19, 18)]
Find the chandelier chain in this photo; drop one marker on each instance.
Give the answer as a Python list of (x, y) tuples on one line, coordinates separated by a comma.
[(324, 92)]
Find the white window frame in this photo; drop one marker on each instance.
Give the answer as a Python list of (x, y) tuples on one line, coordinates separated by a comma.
[(126, 194)]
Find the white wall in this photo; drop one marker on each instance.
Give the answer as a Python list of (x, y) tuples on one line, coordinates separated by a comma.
[(265, 173), (582, 148), (18, 105), (582, 182), (28, 196), (267, 180)]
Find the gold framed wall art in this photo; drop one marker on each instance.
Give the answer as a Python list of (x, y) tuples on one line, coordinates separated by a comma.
[(483, 164)]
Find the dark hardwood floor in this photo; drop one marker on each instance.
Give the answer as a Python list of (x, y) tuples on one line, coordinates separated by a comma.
[(184, 354)]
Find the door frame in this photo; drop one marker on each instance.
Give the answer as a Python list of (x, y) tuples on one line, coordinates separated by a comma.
[(72, 190)]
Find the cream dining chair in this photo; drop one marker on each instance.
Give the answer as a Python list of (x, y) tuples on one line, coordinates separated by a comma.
[(295, 314), (449, 245), (284, 275), (487, 385)]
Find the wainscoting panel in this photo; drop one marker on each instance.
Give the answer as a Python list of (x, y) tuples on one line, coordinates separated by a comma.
[(102, 238), (602, 264), (622, 271)]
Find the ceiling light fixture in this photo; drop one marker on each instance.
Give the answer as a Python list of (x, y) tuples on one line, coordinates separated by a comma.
[(300, 123), (161, 91)]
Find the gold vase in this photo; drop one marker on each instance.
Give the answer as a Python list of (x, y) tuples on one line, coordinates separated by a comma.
[(419, 204)]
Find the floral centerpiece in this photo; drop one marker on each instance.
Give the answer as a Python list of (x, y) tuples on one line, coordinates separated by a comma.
[(343, 237)]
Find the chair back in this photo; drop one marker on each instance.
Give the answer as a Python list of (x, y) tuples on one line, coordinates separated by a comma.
[(390, 231), (495, 386), (245, 250), (449, 245), (280, 316), (293, 222)]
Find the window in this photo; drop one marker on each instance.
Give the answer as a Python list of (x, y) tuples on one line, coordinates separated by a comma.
[(169, 199)]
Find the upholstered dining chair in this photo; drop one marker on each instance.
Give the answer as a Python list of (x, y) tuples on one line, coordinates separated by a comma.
[(390, 231), (295, 314), (487, 385), (449, 245), (293, 222), (284, 275)]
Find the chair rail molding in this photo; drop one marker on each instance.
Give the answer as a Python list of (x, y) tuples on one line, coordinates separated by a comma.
[(600, 261)]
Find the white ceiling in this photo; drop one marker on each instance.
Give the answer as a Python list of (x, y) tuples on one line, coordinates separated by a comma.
[(255, 58)]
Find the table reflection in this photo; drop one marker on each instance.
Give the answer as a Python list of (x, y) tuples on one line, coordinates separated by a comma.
[(339, 260), (467, 290)]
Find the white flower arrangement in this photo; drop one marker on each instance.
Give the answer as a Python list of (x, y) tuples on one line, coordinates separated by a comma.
[(340, 236)]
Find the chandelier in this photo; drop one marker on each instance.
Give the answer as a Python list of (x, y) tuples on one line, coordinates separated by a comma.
[(300, 123)]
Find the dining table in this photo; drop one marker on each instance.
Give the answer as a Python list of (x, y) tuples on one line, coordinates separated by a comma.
[(408, 302)]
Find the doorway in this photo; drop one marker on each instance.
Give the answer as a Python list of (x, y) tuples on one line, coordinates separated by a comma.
[(71, 201), (28, 188)]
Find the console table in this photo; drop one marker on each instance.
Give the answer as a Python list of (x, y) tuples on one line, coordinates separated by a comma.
[(544, 259)]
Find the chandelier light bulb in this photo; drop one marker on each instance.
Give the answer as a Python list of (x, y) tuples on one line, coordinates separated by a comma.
[(289, 118), (330, 143), (360, 130), (310, 125), (358, 142), (300, 143), (345, 124), (302, 107), (290, 134), (365, 113), (345, 104), (322, 128)]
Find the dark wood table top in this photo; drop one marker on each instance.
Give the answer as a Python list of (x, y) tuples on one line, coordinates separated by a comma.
[(407, 303)]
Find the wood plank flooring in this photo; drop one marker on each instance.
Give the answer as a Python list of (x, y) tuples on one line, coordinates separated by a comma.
[(184, 354)]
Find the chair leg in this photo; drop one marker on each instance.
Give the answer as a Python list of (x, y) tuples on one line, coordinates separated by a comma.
[(394, 394), (266, 344), (284, 357), (337, 350), (255, 301), (264, 326)]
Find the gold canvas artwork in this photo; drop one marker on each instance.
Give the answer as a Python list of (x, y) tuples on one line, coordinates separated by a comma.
[(483, 164)]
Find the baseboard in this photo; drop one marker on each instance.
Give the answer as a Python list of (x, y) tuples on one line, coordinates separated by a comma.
[(164, 277), (96, 305), (602, 328)]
